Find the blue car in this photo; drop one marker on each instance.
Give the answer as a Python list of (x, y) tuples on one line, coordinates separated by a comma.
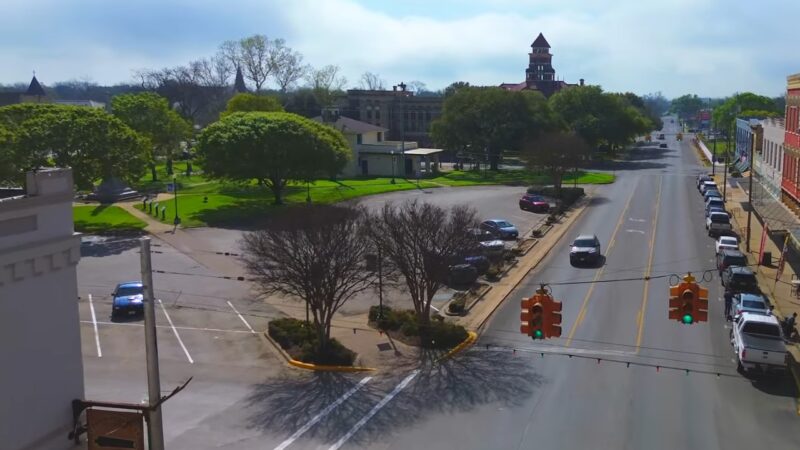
[(500, 229), (128, 298)]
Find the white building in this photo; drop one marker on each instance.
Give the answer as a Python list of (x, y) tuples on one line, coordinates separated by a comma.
[(374, 156), (769, 162), (41, 369)]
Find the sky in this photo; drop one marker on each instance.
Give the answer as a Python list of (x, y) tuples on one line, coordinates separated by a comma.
[(712, 48)]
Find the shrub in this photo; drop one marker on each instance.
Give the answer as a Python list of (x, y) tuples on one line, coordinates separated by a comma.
[(336, 354), (301, 343), (288, 332), (457, 306), (443, 335), (410, 328)]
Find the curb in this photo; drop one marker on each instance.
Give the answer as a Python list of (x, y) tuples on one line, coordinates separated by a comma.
[(794, 366), (315, 367), (471, 338), (479, 328)]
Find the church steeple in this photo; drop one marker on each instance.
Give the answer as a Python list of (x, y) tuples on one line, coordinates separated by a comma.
[(35, 89), (238, 84), (540, 69)]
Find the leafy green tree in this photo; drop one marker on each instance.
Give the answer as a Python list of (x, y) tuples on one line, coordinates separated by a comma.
[(244, 102), (9, 161), (273, 148), (488, 120), (95, 144), (686, 106), (556, 153), (150, 115), (745, 104)]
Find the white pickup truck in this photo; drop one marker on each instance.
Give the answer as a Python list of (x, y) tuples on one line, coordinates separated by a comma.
[(758, 343)]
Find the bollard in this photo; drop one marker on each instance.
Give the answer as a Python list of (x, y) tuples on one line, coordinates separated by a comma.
[(150, 207), (156, 207), (163, 213)]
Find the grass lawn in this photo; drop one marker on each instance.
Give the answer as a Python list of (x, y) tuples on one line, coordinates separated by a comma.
[(204, 202), (95, 219)]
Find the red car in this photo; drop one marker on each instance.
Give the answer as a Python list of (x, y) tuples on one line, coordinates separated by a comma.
[(535, 203)]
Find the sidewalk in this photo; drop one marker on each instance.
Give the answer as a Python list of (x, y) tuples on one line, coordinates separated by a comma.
[(780, 291)]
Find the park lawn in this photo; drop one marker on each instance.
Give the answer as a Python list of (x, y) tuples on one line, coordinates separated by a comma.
[(204, 202), (104, 218)]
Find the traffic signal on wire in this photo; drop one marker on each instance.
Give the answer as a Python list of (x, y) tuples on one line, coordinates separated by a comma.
[(541, 316), (552, 319), (688, 302)]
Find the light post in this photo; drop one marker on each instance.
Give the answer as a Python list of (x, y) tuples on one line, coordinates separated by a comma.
[(402, 87), (177, 220), (714, 151), (392, 153)]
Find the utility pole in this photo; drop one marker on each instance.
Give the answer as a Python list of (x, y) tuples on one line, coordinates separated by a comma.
[(714, 152), (155, 426), (750, 189), (725, 169)]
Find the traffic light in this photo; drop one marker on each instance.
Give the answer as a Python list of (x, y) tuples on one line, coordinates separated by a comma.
[(688, 302), (553, 319), (532, 317)]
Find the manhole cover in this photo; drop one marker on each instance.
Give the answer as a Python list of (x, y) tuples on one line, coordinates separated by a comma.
[(384, 346)]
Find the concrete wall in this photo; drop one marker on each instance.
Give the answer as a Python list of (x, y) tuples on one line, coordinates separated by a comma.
[(769, 162), (40, 347)]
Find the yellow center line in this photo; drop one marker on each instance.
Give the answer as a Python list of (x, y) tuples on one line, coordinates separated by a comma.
[(582, 311), (649, 268)]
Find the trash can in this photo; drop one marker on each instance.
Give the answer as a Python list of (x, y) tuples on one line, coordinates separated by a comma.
[(766, 259)]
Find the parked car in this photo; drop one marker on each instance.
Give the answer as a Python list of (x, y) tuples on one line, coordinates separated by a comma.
[(662, 145), (463, 274), (739, 279), (127, 298), (481, 235), (750, 303), (712, 209), (585, 248), (479, 262), (718, 224), (714, 203), (707, 185), (758, 343), (711, 193), (727, 242), (534, 203), (701, 179), (501, 229), (730, 257)]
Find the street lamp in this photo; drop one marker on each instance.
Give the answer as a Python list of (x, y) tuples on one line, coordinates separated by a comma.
[(402, 87), (392, 153), (177, 220)]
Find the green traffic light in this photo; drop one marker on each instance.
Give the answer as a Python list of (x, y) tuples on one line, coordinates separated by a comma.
[(688, 319), (537, 334)]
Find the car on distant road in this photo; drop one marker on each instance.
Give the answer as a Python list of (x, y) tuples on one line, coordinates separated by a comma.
[(534, 203), (728, 257), (726, 242), (661, 136), (739, 279), (662, 145), (127, 299), (500, 228), (750, 303), (718, 224), (585, 248)]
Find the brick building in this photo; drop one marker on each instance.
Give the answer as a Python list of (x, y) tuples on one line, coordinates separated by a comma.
[(790, 184)]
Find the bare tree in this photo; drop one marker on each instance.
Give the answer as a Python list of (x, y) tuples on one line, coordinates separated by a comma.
[(421, 240), (556, 153), (325, 83), (315, 253), (288, 66), (254, 55), (417, 86), (372, 82)]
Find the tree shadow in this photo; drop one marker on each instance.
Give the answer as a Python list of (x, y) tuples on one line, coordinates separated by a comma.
[(474, 379), (99, 246)]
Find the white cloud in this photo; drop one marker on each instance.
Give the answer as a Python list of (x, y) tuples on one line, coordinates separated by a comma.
[(708, 47)]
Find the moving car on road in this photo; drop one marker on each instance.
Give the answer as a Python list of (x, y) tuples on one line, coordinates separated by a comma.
[(758, 343), (585, 248), (534, 203), (500, 228), (739, 279), (127, 298)]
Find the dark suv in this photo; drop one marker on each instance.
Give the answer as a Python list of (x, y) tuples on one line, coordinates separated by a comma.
[(728, 257), (585, 248), (739, 279)]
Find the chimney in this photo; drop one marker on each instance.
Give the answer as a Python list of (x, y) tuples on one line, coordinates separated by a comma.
[(581, 81)]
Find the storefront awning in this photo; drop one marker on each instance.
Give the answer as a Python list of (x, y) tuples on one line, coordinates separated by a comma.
[(423, 151)]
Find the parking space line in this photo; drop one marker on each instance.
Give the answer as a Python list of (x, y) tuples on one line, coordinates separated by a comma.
[(374, 410), (216, 330), (174, 330), (94, 325), (322, 414), (240, 317)]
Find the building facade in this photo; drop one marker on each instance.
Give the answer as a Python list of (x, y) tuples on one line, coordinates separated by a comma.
[(790, 184), (540, 74), (769, 162), (40, 342), (404, 115), (748, 133)]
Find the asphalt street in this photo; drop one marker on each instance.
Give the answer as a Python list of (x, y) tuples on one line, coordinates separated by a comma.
[(681, 389)]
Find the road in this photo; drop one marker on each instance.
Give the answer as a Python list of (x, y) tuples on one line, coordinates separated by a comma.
[(509, 392)]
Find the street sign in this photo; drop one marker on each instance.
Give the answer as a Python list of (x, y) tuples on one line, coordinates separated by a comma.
[(108, 429)]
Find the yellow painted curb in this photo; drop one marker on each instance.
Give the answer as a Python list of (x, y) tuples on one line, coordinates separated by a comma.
[(323, 368), (471, 338)]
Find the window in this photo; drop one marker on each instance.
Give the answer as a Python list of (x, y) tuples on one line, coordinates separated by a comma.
[(377, 113), (369, 113), (380, 136), (359, 139)]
